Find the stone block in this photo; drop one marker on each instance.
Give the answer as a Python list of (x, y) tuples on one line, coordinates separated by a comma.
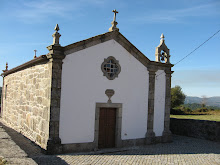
[(34, 124), (35, 111), (34, 80), (44, 125), (38, 139), (46, 113), (39, 100), (28, 120)]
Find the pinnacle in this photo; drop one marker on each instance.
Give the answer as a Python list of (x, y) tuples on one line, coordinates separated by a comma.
[(57, 27)]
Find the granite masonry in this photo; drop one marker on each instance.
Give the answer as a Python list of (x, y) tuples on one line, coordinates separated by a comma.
[(26, 106), (203, 129)]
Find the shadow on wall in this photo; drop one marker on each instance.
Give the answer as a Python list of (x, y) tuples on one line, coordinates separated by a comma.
[(32, 150), (202, 129)]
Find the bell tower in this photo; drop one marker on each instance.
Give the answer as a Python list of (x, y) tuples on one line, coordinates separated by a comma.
[(162, 52)]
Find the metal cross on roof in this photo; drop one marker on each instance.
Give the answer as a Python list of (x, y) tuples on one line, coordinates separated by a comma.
[(35, 55), (6, 68), (115, 12)]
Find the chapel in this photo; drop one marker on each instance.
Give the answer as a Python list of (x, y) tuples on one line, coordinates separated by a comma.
[(98, 93)]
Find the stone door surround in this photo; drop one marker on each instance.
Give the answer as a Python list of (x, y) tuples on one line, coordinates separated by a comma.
[(118, 107)]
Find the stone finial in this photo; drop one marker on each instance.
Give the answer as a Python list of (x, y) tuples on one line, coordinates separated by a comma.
[(55, 50), (162, 52), (109, 93), (56, 35), (6, 67), (35, 55), (57, 28), (114, 23), (162, 38)]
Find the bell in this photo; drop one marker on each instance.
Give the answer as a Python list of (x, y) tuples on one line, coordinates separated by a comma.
[(162, 56)]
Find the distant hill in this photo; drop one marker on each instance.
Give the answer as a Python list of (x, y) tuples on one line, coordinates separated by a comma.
[(210, 101)]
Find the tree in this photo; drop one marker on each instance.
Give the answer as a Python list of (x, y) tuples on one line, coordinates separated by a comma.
[(204, 101), (177, 96)]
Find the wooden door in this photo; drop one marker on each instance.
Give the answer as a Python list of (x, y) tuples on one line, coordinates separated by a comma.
[(107, 127)]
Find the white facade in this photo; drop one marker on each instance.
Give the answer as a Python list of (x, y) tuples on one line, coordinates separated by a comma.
[(83, 85)]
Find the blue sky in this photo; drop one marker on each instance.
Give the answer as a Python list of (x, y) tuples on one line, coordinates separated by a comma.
[(28, 24)]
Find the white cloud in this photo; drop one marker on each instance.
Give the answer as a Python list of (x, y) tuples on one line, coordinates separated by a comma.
[(41, 10), (178, 15), (37, 11)]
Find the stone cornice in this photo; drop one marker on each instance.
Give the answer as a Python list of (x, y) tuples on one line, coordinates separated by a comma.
[(161, 64), (77, 46), (55, 47), (33, 62), (152, 70), (132, 50), (169, 72), (118, 37)]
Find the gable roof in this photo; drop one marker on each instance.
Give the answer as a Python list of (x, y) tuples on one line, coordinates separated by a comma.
[(77, 46), (35, 61), (117, 36)]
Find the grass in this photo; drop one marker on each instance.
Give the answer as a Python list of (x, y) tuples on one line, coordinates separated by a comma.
[(198, 117), (210, 115)]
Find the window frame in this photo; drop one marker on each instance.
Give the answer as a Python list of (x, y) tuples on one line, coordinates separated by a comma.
[(116, 63)]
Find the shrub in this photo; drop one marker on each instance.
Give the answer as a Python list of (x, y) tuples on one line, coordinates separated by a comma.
[(188, 110), (199, 110), (176, 111)]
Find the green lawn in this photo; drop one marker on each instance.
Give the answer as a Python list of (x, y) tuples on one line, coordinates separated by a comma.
[(215, 117)]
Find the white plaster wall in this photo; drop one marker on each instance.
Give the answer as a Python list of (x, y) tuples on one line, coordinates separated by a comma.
[(83, 85), (159, 102)]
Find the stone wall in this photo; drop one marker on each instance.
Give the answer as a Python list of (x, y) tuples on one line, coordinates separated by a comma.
[(202, 129), (26, 102)]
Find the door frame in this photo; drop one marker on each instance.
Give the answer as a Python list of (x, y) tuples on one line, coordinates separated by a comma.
[(118, 107)]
